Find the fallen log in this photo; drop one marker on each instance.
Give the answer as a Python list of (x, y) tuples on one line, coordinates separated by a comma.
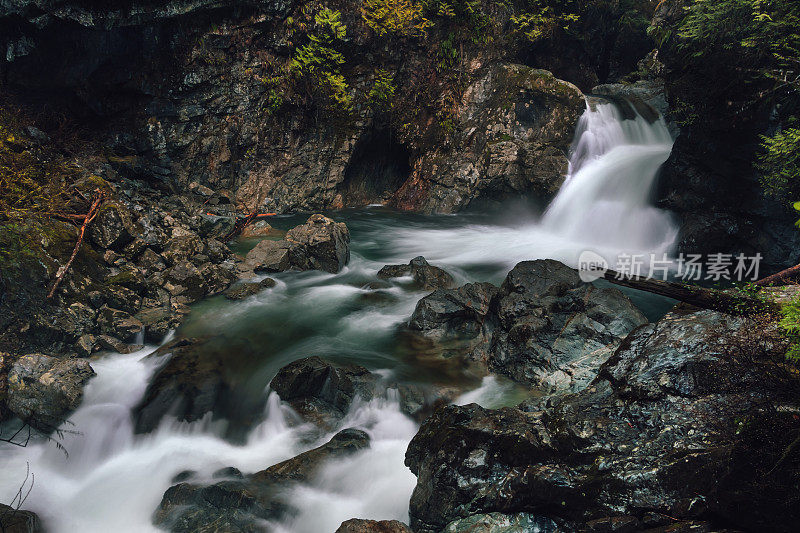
[(790, 274), (740, 304), (90, 215), (242, 223)]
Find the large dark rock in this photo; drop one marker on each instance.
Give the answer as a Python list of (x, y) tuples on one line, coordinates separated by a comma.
[(543, 327), (318, 389), (113, 227), (670, 431), (322, 392), (190, 384), (319, 244), (426, 277), (44, 390), (458, 320), (19, 521), (244, 504)]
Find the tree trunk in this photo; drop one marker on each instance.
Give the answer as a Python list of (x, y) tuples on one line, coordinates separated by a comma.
[(733, 304), (790, 274)]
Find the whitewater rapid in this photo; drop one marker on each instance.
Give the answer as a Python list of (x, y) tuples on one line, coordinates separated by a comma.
[(113, 479)]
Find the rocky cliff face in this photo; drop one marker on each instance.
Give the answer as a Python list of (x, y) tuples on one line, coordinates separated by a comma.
[(183, 93)]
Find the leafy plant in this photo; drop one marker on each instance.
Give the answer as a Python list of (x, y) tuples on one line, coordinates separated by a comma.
[(790, 326), (543, 19), (779, 162), (318, 62), (401, 18), (382, 92)]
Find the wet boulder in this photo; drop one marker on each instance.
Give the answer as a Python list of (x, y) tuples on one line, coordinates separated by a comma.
[(320, 390), (672, 429), (319, 244), (157, 322), (358, 525), (217, 277), (188, 385), (19, 521), (244, 504), (459, 320), (543, 327), (505, 523), (426, 276), (269, 256), (118, 323), (43, 390), (185, 280), (181, 248), (113, 227), (246, 289)]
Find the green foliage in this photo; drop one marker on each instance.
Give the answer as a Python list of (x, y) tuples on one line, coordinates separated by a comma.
[(401, 18), (779, 162), (765, 34), (544, 17), (447, 55), (381, 95), (318, 62), (468, 15), (790, 326)]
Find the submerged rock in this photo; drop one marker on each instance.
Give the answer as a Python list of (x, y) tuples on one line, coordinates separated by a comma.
[(652, 440), (322, 392), (44, 390), (190, 384), (543, 327), (244, 504), (245, 289), (426, 277), (319, 244), (358, 525)]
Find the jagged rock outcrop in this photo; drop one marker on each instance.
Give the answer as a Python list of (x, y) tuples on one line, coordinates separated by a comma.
[(669, 431), (502, 523), (542, 327), (426, 276), (357, 525), (244, 504), (513, 129), (319, 244), (44, 390)]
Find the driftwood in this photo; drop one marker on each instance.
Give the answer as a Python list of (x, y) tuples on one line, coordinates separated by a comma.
[(239, 225), (87, 219), (790, 274), (716, 300)]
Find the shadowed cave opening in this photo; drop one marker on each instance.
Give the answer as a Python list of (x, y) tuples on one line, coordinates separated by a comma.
[(378, 168)]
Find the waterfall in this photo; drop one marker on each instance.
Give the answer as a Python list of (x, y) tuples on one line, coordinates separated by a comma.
[(606, 197), (604, 206)]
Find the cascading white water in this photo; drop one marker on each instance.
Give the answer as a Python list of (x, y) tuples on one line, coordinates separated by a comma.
[(604, 204), (605, 199), (113, 480)]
